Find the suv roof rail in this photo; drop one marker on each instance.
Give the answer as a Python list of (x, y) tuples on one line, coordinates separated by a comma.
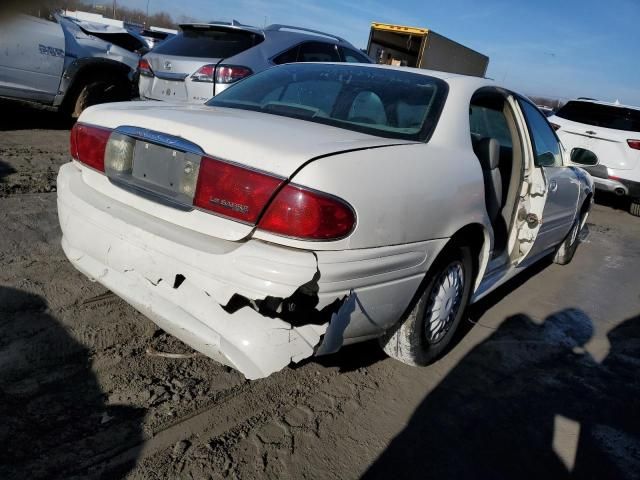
[(587, 98), (278, 27)]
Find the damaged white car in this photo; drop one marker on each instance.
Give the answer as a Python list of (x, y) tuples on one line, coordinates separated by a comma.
[(315, 205)]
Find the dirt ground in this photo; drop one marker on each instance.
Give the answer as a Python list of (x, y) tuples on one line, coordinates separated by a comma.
[(543, 382)]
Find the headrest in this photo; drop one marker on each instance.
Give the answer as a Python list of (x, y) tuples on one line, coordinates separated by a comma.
[(488, 152)]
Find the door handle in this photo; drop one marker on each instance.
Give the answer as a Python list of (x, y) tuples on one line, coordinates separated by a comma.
[(590, 132), (553, 186)]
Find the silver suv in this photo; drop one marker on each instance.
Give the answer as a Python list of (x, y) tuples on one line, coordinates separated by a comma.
[(204, 59)]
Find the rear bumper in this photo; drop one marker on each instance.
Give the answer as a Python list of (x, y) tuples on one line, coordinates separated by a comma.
[(619, 186), (182, 280)]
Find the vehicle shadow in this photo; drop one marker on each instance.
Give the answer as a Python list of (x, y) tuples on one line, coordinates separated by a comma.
[(18, 115), (54, 420), (528, 402), (611, 200)]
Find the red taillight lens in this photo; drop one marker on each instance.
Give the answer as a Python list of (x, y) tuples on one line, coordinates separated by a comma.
[(204, 74), (635, 144), (231, 73), (88, 144), (309, 215), (555, 126), (233, 191), (144, 67)]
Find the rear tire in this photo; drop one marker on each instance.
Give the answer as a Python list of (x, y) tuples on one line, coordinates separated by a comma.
[(426, 332), (95, 91), (634, 208)]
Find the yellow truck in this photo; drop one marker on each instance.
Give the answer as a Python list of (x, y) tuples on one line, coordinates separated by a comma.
[(423, 48)]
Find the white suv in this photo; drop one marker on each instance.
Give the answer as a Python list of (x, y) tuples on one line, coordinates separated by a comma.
[(612, 132)]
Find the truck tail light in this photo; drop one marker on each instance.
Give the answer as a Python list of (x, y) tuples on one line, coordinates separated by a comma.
[(144, 68), (88, 145), (635, 144), (555, 126), (233, 191), (231, 73), (204, 74), (309, 215)]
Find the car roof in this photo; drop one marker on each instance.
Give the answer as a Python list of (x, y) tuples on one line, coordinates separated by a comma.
[(288, 30), (608, 104)]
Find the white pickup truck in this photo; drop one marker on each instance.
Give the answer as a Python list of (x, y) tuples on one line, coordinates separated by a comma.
[(65, 63)]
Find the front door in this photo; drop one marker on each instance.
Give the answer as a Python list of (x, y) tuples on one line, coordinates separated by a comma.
[(561, 187)]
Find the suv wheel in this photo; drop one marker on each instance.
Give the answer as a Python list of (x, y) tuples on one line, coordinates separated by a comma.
[(96, 90)]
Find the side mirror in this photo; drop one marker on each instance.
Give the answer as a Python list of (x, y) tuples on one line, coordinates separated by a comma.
[(585, 157)]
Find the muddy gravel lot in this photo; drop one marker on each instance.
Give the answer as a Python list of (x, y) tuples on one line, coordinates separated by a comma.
[(543, 381)]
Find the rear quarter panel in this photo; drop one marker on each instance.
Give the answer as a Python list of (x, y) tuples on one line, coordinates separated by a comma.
[(401, 194)]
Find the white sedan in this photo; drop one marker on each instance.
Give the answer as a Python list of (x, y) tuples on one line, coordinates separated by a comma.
[(315, 205)]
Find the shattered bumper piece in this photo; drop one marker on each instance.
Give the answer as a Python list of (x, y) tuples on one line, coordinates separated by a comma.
[(245, 340)]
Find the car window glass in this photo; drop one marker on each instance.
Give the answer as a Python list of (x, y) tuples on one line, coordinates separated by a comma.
[(489, 123), (288, 56), (318, 52), (208, 43), (386, 103), (545, 144), (351, 56), (607, 116), (317, 94)]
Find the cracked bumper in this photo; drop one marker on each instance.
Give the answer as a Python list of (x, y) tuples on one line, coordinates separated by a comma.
[(140, 258)]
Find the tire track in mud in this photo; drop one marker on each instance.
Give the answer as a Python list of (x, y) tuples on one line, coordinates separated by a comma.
[(235, 411)]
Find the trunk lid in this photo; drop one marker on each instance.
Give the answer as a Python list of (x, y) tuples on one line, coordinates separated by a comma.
[(256, 140), (171, 80)]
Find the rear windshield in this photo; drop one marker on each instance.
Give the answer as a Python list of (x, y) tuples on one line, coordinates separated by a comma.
[(377, 101), (209, 43), (618, 118)]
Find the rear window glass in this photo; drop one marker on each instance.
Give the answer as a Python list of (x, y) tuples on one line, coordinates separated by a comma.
[(209, 43), (618, 118), (385, 103)]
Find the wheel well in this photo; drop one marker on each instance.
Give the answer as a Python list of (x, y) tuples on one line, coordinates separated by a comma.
[(476, 237), (119, 73), (586, 205)]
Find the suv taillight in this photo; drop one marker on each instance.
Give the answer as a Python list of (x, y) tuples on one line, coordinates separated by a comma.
[(144, 68), (204, 74), (635, 144), (88, 144), (231, 73)]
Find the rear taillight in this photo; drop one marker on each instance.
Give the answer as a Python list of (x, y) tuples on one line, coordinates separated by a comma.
[(233, 191), (555, 126), (204, 74), (144, 68), (635, 144), (88, 144), (309, 215), (231, 73)]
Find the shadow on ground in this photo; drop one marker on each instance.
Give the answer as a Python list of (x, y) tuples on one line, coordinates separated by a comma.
[(18, 115), (501, 412), (54, 421), (612, 201)]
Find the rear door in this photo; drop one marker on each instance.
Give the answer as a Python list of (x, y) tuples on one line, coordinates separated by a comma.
[(184, 65), (603, 129), (32, 59), (561, 185)]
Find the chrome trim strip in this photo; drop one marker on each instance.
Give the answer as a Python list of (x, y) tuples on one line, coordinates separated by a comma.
[(159, 138), (176, 77)]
